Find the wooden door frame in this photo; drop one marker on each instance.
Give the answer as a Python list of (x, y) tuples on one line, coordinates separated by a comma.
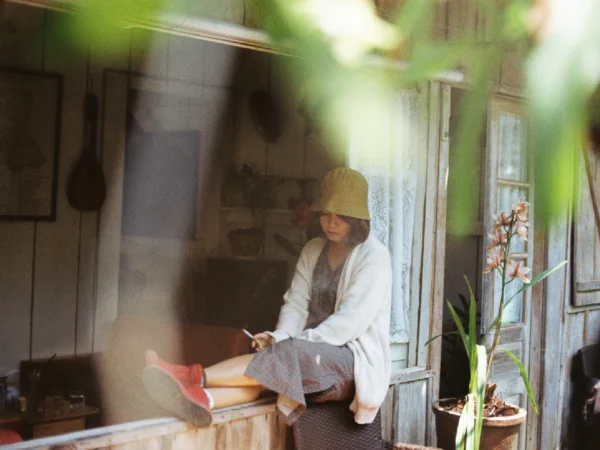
[(434, 249)]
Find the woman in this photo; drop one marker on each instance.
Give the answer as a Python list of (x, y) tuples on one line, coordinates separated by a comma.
[(331, 340)]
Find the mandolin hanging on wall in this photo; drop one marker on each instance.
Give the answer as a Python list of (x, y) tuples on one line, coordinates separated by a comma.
[(86, 188)]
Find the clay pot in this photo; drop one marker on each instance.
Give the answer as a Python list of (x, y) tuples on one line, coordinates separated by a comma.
[(498, 433)]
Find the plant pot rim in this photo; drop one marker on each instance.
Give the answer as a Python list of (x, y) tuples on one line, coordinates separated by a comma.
[(487, 421)]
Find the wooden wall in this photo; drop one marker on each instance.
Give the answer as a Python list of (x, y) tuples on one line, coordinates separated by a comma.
[(48, 272), (48, 283), (569, 322), (254, 428)]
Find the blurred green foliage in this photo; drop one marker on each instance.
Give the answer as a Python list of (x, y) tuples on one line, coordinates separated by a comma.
[(558, 43)]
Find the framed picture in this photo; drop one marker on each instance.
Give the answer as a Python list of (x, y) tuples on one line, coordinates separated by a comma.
[(30, 111)]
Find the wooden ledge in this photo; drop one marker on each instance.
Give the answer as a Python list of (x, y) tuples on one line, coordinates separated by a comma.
[(166, 428), (256, 408)]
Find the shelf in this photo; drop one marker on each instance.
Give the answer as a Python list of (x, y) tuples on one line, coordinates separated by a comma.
[(268, 210)]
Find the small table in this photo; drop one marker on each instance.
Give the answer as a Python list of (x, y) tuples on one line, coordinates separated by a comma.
[(39, 425)]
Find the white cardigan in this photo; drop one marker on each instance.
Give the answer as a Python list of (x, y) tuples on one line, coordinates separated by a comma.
[(361, 317)]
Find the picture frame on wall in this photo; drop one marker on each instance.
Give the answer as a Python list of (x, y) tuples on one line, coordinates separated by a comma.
[(30, 112)]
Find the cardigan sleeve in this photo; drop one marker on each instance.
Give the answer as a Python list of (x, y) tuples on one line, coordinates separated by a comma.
[(294, 312), (367, 295)]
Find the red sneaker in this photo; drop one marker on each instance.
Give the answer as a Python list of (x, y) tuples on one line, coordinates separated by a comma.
[(185, 374), (189, 401)]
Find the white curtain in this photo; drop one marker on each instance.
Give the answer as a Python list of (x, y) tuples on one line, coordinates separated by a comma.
[(391, 171)]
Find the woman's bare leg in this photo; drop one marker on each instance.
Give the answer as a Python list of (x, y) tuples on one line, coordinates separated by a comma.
[(230, 396), (230, 373)]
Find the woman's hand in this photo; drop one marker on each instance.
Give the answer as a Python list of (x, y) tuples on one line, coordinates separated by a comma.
[(261, 341)]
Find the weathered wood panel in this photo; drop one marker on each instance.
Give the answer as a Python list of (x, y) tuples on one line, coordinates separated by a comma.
[(17, 239), (587, 235), (187, 59), (538, 300), (439, 28), (231, 11), (423, 105), (149, 52), (388, 8), (98, 57), (511, 70), (251, 148), (575, 340), (426, 317), (592, 327), (387, 415), (461, 19), (57, 243), (220, 64), (285, 156), (253, 428), (419, 354), (109, 237), (555, 335), (410, 411), (399, 356)]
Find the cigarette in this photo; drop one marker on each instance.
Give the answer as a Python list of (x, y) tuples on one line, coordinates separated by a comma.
[(247, 333)]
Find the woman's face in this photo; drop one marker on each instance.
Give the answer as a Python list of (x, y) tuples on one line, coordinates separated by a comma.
[(335, 228)]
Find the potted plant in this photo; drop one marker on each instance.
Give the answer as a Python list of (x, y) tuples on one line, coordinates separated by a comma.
[(246, 188), (481, 419)]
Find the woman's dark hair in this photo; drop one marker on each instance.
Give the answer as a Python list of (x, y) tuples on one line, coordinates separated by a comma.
[(359, 230)]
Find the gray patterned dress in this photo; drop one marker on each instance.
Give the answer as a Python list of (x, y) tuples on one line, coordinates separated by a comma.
[(296, 367)]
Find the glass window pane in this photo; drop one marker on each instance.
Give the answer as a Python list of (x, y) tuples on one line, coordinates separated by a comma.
[(512, 310), (512, 163), (507, 195)]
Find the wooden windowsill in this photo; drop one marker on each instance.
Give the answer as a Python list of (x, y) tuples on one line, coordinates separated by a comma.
[(143, 429)]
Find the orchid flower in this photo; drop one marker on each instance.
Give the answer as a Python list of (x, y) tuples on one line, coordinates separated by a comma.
[(497, 238), (522, 230), (518, 270), (495, 258), (502, 220), (521, 210)]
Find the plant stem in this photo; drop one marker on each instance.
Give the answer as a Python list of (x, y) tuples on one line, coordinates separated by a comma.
[(501, 308)]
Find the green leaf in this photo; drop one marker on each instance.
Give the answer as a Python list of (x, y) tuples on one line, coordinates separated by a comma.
[(441, 335), (458, 324), (462, 203), (560, 80), (524, 376), (539, 277), (480, 392), (472, 320), (465, 440), (414, 17)]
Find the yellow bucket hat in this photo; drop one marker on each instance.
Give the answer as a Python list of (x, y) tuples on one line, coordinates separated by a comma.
[(345, 192)]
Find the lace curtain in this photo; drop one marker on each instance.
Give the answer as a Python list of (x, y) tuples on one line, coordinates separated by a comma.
[(391, 171)]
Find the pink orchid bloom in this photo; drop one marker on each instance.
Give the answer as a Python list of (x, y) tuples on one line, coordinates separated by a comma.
[(497, 238), (521, 210), (494, 259), (518, 270), (522, 230), (501, 220)]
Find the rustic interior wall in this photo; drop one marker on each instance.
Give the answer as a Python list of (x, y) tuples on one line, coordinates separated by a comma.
[(47, 277)]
